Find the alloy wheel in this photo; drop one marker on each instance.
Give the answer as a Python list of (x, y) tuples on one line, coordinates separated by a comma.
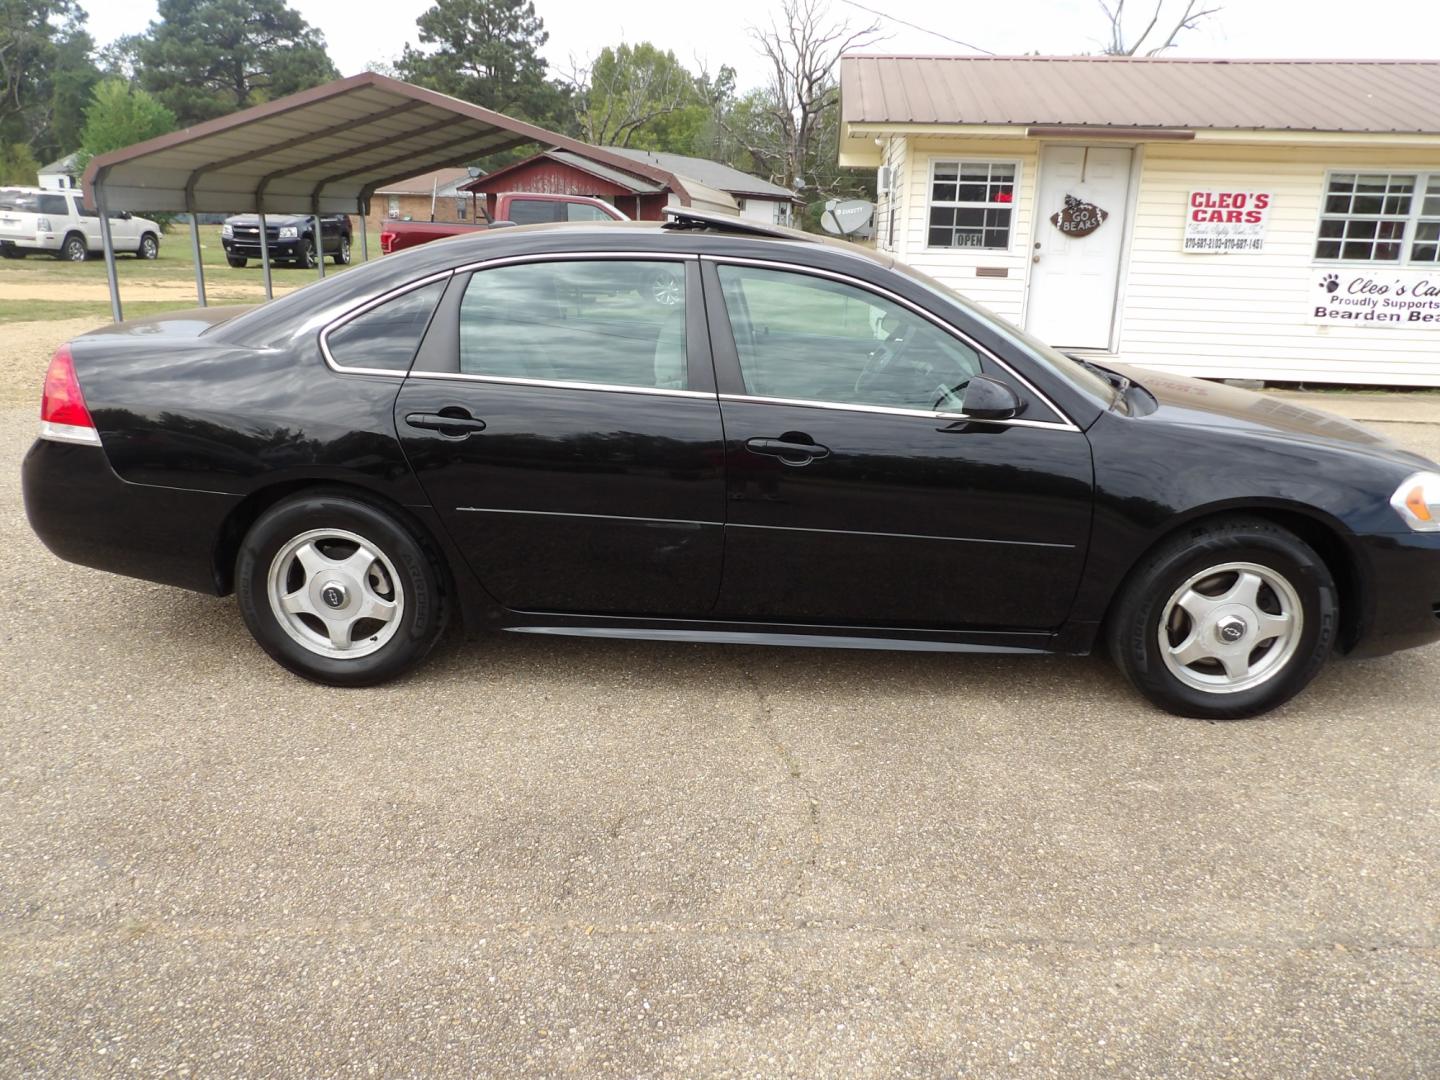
[(666, 288), (1231, 627), (335, 593)]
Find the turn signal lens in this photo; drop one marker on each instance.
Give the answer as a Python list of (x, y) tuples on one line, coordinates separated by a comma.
[(1417, 500), (63, 415)]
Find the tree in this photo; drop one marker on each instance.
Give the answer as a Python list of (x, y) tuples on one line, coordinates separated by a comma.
[(803, 49), (486, 52), (622, 97), (45, 73), (1118, 45), (206, 58), (119, 115), (18, 164)]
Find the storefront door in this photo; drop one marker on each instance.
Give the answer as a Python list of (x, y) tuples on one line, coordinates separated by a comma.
[(1079, 232)]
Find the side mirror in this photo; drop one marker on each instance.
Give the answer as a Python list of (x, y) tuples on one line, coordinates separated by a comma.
[(989, 399), (125, 215)]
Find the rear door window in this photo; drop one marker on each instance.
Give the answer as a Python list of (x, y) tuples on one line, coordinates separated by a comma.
[(584, 321), (386, 337), (54, 205)]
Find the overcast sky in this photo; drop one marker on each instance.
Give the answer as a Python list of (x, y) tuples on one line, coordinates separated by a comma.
[(1243, 28)]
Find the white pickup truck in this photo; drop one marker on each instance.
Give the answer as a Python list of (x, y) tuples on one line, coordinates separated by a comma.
[(56, 222)]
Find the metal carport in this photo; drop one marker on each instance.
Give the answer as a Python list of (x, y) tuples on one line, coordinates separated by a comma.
[(321, 151)]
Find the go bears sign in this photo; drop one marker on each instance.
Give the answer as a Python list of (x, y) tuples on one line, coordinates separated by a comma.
[(1219, 221)]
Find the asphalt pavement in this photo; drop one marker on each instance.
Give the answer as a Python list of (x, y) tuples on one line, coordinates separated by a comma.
[(542, 857)]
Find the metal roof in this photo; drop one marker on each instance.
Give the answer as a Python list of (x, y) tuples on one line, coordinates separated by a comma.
[(1352, 96), (443, 182), (615, 176), (323, 150), (709, 172)]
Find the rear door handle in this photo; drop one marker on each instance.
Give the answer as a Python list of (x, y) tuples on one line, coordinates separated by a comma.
[(452, 422), (789, 453)]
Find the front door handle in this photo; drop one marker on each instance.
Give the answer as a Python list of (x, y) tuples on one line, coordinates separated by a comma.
[(452, 422), (788, 451)]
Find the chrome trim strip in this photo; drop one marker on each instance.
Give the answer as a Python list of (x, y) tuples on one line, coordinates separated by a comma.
[(901, 536), (888, 410), (69, 433), (570, 256), (774, 528), (949, 328), (355, 313), (602, 517), (506, 380)]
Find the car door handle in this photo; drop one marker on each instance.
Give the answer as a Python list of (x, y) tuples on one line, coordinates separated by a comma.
[(452, 422), (789, 452)]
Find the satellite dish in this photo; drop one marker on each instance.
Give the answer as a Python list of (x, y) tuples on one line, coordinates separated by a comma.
[(847, 217)]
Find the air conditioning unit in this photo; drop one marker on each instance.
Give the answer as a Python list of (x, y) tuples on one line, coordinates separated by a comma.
[(883, 180)]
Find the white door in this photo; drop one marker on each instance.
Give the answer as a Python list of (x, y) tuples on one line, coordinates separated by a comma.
[(1076, 264)]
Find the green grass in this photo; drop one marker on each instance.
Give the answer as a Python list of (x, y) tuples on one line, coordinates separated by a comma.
[(174, 264), (13, 311)]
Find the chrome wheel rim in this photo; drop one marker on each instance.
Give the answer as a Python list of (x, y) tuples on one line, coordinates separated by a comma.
[(666, 289), (335, 593), (148, 248), (344, 252), (75, 251), (1231, 627)]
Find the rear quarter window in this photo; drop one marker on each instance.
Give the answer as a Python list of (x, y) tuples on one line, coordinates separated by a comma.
[(386, 337)]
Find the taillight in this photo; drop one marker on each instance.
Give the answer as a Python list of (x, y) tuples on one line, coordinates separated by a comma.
[(387, 242), (63, 415)]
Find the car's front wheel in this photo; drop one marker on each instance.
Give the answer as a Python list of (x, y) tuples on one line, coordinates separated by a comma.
[(149, 247), (338, 590), (1228, 620), (307, 253), (237, 262), (342, 256)]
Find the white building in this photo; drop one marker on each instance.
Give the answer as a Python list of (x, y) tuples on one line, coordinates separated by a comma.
[(60, 175), (1271, 220)]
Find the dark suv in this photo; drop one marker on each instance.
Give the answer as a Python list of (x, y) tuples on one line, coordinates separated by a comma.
[(290, 238)]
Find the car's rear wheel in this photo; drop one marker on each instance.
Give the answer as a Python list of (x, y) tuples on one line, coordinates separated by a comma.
[(338, 590), (73, 249), (1229, 620), (342, 257)]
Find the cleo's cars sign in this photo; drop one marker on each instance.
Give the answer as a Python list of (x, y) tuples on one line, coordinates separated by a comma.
[(1377, 298), (1219, 221)]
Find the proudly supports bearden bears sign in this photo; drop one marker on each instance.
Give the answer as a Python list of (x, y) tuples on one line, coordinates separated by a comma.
[(1371, 297)]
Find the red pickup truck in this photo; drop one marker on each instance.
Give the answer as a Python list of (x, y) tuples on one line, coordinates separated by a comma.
[(517, 207)]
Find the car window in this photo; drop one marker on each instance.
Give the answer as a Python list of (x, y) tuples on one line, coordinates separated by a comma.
[(814, 339), (589, 321), (585, 212), (534, 211), (81, 211), (386, 337), (55, 205)]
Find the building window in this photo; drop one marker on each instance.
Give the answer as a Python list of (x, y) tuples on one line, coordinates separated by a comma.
[(392, 208), (971, 204), (1380, 217)]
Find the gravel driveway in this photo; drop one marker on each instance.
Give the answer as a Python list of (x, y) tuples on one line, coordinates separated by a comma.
[(541, 857)]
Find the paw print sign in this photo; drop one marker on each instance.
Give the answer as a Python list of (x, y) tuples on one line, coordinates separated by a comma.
[(1330, 282), (1078, 218)]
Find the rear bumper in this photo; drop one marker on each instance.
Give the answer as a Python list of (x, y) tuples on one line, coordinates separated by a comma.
[(84, 513), (1403, 593), (38, 242)]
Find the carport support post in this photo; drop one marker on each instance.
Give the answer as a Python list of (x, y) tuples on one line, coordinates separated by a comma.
[(195, 248), (265, 257), (364, 239), (319, 246), (108, 242)]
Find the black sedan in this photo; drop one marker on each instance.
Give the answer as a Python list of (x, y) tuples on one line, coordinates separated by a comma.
[(814, 446)]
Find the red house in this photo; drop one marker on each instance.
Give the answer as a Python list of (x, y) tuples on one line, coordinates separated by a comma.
[(642, 197)]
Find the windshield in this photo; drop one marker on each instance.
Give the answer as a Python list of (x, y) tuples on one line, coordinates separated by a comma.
[(1072, 371)]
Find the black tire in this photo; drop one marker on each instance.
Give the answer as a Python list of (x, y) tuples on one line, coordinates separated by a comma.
[(342, 255), (12, 253), (236, 263), (73, 249), (307, 253), (401, 564), (149, 247), (1235, 547)]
